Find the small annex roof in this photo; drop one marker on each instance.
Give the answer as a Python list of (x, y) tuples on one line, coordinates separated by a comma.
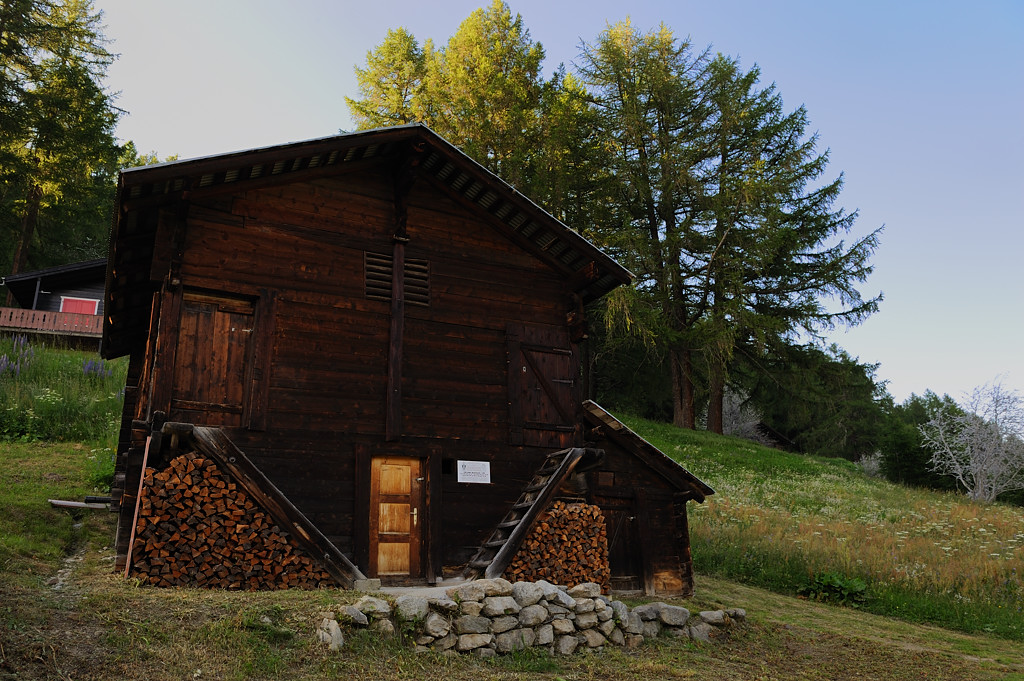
[(590, 272), (621, 434)]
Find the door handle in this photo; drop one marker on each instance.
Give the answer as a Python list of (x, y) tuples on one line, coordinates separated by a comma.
[(415, 515)]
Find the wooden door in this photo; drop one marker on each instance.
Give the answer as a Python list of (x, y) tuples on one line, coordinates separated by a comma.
[(543, 390), (396, 517), (212, 360)]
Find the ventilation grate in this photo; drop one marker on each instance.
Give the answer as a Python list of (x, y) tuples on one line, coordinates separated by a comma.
[(377, 267)]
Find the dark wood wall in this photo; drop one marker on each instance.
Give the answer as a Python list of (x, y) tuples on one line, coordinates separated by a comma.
[(323, 357), (648, 537)]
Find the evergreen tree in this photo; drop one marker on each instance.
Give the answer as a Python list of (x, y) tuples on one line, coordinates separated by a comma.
[(59, 156), (776, 257), (391, 82)]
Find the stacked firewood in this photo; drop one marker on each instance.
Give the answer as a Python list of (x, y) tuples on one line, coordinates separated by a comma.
[(197, 527), (568, 545)]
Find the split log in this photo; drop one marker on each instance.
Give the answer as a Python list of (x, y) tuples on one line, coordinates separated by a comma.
[(568, 545), (198, 528)]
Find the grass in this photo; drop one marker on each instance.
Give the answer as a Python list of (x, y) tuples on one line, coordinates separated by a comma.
[(780, 520), (55, 394), (93, 624), (778, 523)]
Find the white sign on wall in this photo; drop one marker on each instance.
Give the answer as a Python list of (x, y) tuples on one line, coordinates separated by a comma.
[(474, 471)]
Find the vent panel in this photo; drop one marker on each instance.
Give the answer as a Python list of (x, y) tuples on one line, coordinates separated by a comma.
[(378, 269)]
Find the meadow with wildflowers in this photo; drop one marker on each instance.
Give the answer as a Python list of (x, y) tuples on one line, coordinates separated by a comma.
[(57, 394), (781, 521)]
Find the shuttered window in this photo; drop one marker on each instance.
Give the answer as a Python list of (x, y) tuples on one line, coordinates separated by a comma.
[(378, 269)]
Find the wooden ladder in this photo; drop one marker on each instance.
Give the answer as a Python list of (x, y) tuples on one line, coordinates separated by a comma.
[(497, 552)]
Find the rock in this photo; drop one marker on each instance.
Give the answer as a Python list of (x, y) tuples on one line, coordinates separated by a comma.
[(604, 613), (445, 643), (587, 620), (517, 639), (673, 615), (366, 585), (593, 638), (563, 599), (620, 611), (700, 631), (651, 629), (351, 613), (435, 625), (563, 627), (738, 614), (527, 593), (473, 641), (485, 652), (616, 636), (326, 614), (585, 605), (421, 649), (566, 645), (500, 605), (472, 591), (585, 590), (383, 627), (472, 608), (634, 624), (472, 624), (648, 611), (445, 605), (677, 632), (607, 627), (547, 588), (373, 607), (634, 640), (716, 618), (501, 624), (557, 610), (411, 608), (424, 640), (495, 587), (532, 615), (330, 633), (544, 635)]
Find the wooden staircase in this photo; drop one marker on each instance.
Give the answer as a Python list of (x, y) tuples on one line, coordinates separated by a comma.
[(495, 554)]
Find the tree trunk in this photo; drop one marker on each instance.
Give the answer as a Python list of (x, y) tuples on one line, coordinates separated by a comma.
[(28, 230), (716, 390), (682, 388)]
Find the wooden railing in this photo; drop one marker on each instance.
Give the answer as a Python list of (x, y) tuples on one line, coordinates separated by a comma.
[(45, 321)]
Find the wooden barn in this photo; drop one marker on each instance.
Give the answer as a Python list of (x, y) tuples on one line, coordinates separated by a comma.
[(378, 340)]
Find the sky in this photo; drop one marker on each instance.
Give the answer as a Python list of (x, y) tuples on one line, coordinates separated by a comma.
[(919, 102)]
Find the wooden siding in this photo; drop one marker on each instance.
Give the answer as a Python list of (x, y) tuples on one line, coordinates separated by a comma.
[(328, 362)]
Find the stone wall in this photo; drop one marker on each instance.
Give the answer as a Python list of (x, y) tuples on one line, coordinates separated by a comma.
[(493, 616)]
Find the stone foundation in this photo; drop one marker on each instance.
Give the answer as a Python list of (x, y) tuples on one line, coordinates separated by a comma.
[(493, 616)]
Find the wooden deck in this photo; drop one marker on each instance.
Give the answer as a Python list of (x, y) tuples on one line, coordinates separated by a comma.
[(49, 322)]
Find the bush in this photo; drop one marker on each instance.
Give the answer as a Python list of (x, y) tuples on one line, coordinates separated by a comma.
[(831, 587)]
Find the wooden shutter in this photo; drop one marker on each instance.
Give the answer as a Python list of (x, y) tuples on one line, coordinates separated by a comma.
[(543, 386), (212, 360)]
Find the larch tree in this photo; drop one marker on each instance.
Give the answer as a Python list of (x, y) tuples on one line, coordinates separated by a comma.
[(776, 235), (391, 82), (60, 156), (482, 91)]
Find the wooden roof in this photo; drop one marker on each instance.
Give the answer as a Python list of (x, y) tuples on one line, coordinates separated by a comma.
[(619, 433), (590, 272)]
